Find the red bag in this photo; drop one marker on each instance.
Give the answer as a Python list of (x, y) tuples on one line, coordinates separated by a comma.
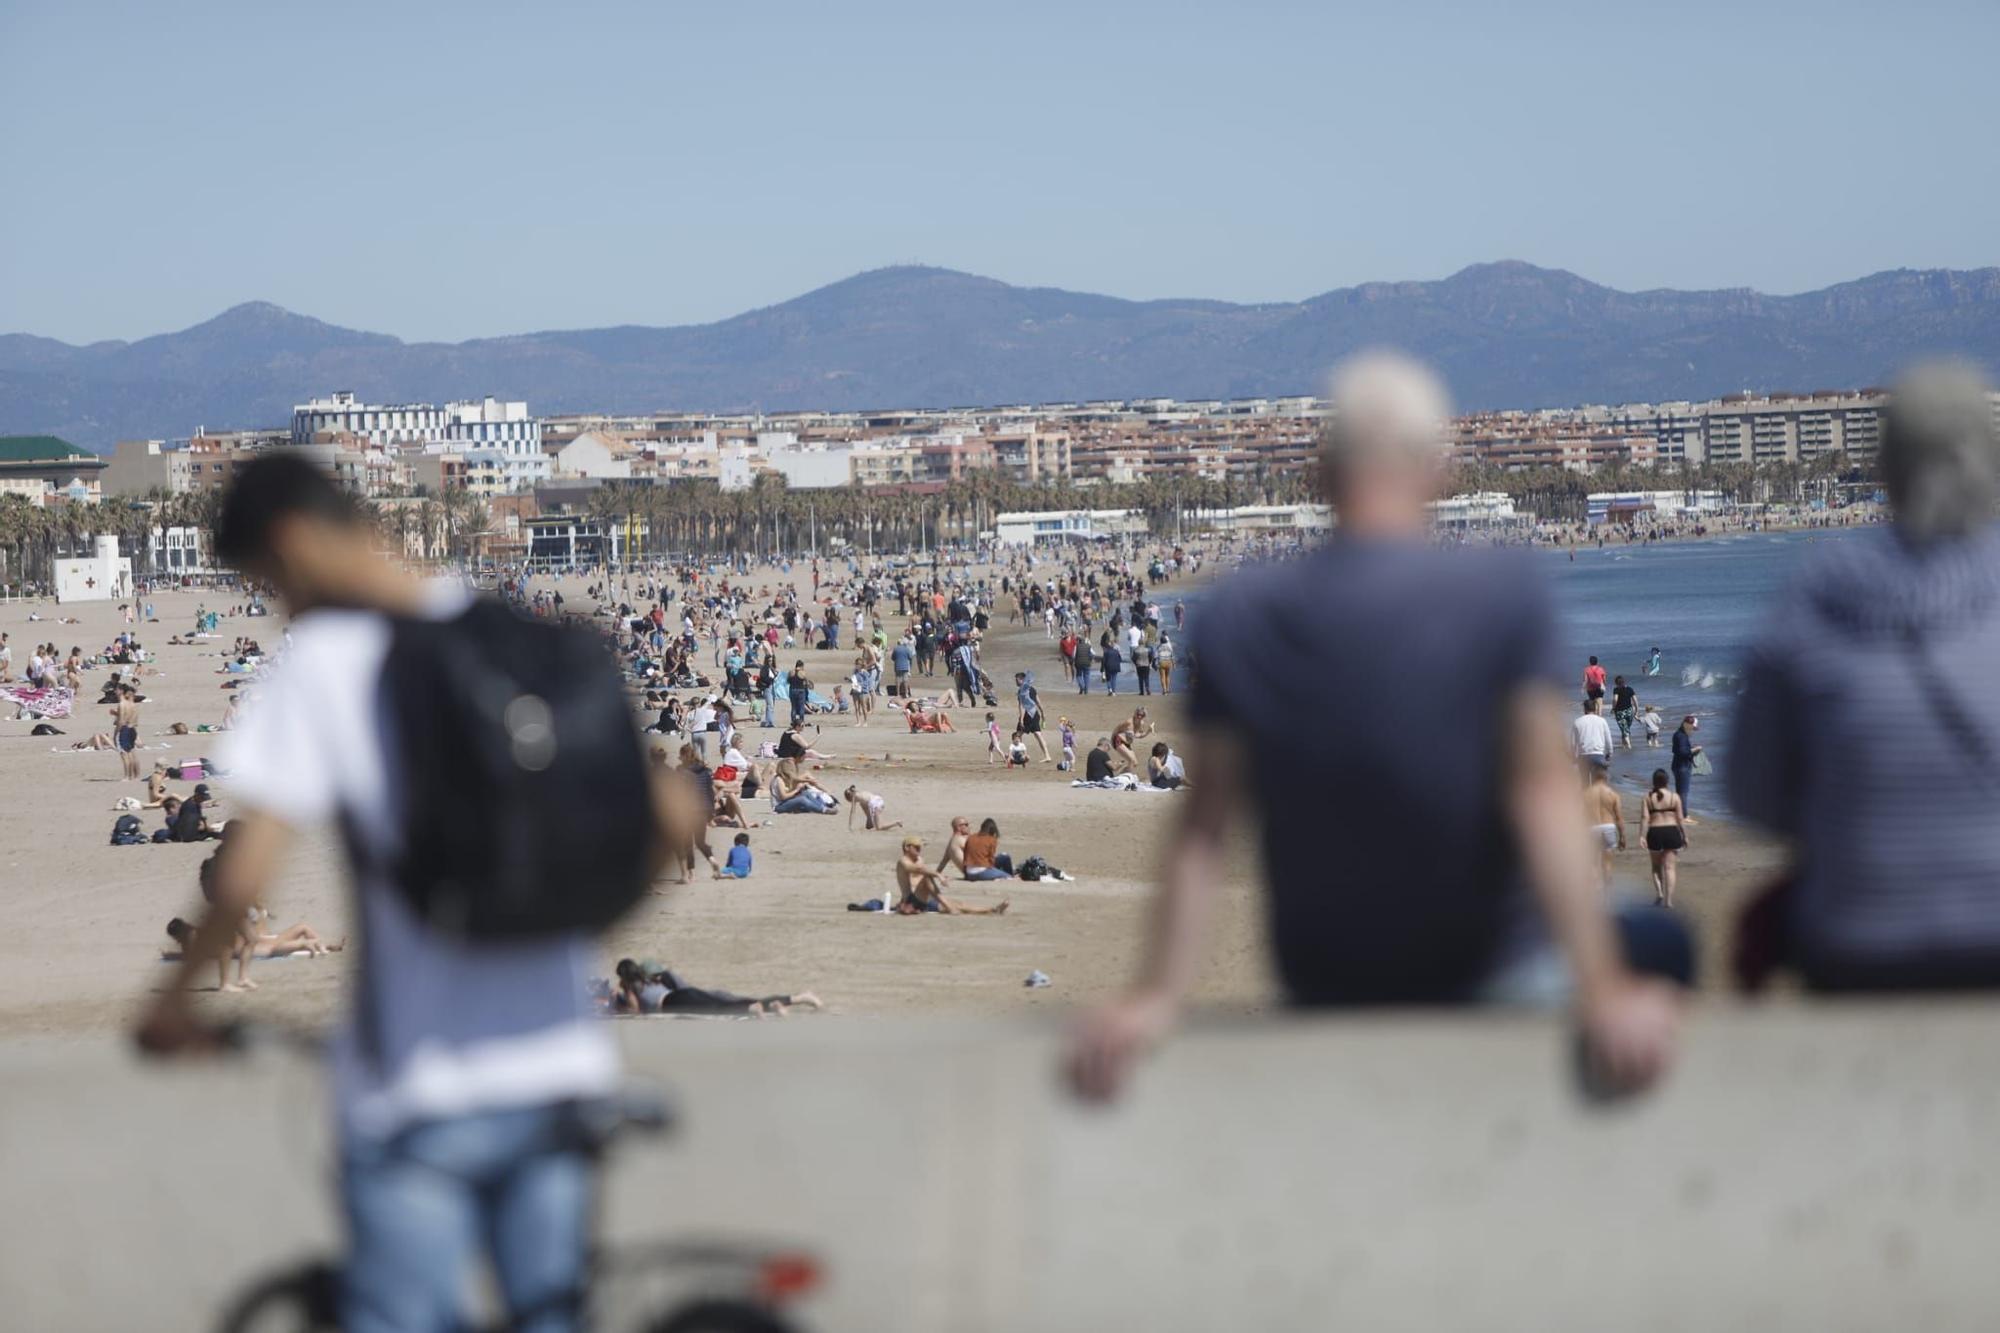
[(726, 773)]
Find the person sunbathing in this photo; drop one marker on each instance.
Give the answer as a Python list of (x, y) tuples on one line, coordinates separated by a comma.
[(156, 787), (925, 717), (301, 938), (923, 891), (661, 992)]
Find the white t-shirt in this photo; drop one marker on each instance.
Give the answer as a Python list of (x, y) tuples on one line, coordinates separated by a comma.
[(1590, 734), (456, 1027)]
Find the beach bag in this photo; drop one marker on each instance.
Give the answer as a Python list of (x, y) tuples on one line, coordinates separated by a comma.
[(525, 801), (726, 773), (1035, 868), (127, 832)]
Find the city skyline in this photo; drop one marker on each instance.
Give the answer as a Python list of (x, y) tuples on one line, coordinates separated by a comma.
[(469, 171)]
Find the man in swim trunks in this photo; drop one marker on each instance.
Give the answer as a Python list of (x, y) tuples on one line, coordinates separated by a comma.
[(125, 730), (1606, 814), (923, 891)]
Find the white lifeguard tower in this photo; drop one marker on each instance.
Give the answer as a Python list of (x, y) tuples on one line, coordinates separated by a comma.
[(95, 578)]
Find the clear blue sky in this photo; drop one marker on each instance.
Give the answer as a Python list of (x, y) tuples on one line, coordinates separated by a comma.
[(437, 169)]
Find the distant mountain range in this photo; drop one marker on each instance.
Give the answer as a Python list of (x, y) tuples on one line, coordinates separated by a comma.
[(1506, 334)]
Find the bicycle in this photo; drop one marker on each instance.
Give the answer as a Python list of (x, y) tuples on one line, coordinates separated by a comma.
[(713, 1286)]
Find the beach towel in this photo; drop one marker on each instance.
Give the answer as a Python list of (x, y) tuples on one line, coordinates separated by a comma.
[(1122, 782), (45, 701)]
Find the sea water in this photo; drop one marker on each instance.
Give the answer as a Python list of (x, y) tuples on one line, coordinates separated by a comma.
[(1700, 602)]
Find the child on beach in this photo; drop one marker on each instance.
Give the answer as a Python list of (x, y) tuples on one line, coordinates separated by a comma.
[(993, 747), (1017, 751), (1068, 746), (737, 866), (1651, 718), (870, 805)]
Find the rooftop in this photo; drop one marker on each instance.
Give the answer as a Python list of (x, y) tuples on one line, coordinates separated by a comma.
[(39, 449)]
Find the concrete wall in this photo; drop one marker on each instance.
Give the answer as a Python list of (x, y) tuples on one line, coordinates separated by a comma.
[(1816, 1170)]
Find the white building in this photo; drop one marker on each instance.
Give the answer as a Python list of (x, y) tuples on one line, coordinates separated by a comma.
[(593, 456), (379, 424), (1476, 510), (1622, 506), (179, 550), (1033, 526), (98, 577), (1268, 520), (808, 467), (733, 469), (509, 440)]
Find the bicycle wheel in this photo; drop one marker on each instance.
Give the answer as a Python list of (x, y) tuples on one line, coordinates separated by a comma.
[(297, 1300), (722, 1316)]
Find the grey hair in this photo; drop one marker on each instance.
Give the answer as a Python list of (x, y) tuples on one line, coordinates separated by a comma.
[(1940, 456), (1385, 405)]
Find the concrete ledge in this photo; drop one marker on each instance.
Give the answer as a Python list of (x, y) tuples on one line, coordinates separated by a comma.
[(1826, 1168)]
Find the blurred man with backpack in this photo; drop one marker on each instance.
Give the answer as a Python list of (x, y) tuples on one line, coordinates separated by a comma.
[(497, 813)]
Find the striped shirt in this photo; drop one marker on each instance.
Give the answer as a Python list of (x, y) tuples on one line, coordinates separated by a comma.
[(1870, 736)]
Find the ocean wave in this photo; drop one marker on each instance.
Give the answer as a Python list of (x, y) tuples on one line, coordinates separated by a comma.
[(1695, 676)]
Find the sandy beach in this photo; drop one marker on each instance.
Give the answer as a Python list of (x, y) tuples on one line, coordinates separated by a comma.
[(84, 920)]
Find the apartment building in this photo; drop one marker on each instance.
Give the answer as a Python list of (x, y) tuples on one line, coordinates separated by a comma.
[(1522, 441), (1796, 429), (503, 433)]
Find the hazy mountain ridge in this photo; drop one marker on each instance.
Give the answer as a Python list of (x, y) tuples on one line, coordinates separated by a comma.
[(1507, 334)]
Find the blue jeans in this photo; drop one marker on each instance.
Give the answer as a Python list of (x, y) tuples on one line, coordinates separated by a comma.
[(1111, 682), (1654, 943), (423, 1205), (1083, 680), (805, 803), (799, 700), (1683, 779)]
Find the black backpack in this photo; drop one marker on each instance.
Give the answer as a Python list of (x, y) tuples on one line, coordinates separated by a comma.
[(525, 800), (127, 832)]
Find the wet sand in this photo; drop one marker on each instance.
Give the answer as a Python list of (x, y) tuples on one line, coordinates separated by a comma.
[(81, 922)]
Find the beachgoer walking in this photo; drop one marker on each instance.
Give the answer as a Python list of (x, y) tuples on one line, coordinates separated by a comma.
[(1624, 708), (1593, 680), (1590, 739), (1606, 815), (1666, 837)]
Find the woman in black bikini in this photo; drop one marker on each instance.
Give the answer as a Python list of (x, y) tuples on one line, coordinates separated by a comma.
[(1666, 836)]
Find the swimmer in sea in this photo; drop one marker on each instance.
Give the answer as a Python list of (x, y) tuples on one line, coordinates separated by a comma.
[(1653, 663)]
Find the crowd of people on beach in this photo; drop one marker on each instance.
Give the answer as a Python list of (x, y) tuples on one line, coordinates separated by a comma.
[(1410, 854)]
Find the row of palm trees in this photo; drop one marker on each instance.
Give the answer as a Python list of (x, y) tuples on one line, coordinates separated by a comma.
[(33, 537), (1561, 496), (699, 518)]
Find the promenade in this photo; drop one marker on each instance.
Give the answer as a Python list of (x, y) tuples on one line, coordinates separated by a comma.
[(1823, 1168)]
